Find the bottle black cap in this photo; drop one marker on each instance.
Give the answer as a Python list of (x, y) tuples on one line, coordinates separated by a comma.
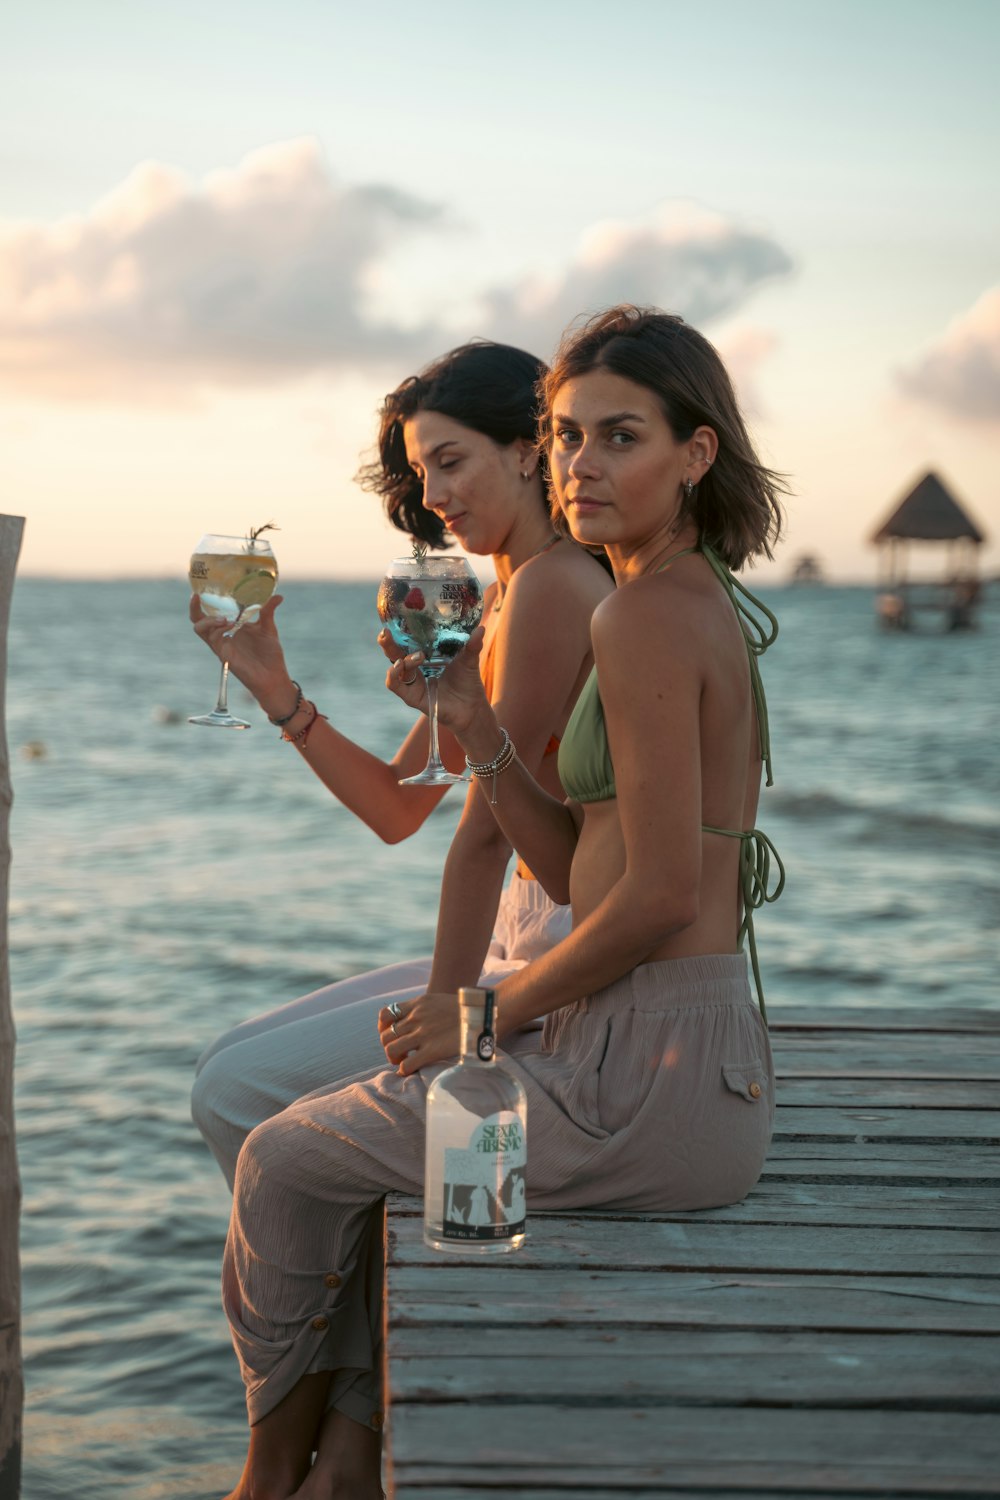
[(486, 1042)]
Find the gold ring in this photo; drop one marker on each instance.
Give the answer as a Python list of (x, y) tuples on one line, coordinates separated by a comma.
[(409, 681)]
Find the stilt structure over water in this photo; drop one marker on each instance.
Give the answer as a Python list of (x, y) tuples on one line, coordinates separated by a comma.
[(807, 569), (929, 513)]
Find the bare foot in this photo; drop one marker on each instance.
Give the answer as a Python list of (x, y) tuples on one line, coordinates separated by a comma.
[(281, 1443), (348, 1463)]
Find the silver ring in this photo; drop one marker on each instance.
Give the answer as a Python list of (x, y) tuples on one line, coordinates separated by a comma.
[(409, 681), (392, 1030), (394, 1011)]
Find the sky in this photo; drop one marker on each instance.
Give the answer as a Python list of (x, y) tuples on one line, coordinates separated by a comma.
[(227, 231)]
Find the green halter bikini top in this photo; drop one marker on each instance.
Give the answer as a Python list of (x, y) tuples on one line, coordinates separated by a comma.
[(588, 775)]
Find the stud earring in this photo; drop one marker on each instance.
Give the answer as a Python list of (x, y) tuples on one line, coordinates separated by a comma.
[(525, 476)]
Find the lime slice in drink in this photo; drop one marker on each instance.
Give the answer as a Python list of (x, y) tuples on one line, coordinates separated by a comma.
[(255, 588)]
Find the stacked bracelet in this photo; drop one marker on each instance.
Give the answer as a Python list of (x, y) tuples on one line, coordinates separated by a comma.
[(300, 736), (280, 723), (503, 758)]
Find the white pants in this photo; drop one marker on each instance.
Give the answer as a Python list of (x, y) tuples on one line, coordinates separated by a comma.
[(260, 1067)]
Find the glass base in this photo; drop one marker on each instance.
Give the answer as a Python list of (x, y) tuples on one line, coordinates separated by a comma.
[(432, 776), (215, 720), (473, 1248)]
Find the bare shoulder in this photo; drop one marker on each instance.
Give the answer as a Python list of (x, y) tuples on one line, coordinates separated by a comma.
[(564, 577), (642, 616)]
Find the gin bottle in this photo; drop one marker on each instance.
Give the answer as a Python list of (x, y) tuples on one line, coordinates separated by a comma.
[(474, 1183)]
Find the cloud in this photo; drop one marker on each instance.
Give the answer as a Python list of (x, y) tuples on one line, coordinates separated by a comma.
[(256, 274), (270, 272), (961, 372), (744, 347), (681, 257)]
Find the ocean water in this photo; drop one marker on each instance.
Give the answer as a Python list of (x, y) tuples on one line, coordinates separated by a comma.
[(168, 881)]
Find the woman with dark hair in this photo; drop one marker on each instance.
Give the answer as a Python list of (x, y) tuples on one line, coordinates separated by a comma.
[(457, 457), (653, 1087)]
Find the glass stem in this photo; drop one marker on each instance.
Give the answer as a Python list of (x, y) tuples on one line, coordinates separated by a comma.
[(222, 707), (434, 757)]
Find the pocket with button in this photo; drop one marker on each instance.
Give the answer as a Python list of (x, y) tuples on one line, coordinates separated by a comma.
[(748, 1079)]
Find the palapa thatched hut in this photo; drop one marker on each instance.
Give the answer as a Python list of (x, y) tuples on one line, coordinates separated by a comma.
[(929, 513)]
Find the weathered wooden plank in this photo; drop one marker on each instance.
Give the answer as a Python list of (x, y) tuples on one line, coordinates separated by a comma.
[(469, 1492), (943, 1203), (658, 1482), (936, 1205), (761, 1451), (890, 1019), (875, 1056), (490, 1295), (610, 1242), (707, 1367), (890, 1093), (868, 1123), (898, 1161), (952, 1019)]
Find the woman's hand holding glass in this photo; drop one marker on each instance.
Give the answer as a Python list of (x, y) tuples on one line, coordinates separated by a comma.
[(255, 656), (433, 604), (232, 578), (461, 697)]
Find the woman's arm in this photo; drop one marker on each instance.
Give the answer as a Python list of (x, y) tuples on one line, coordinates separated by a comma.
[(539, 657), (470, 894), (370, 787), (366, 785), (541, 643), (650, 687)]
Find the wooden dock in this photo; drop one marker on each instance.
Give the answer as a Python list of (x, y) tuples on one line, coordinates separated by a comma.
[(837, 1334)]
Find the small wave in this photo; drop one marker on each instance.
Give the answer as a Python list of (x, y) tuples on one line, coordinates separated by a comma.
[(825, 807), (835, 973)]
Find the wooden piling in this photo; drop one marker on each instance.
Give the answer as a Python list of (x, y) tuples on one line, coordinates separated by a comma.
[(11, 1383)]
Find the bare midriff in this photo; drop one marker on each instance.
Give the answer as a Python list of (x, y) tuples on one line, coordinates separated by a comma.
[(599, 863)]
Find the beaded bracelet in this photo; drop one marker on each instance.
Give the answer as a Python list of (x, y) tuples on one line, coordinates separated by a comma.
[(300, 744), (280, 723), (301, 735), (503, 758)]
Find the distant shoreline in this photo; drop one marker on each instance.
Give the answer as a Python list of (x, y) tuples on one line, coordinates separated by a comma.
[(754, 580)]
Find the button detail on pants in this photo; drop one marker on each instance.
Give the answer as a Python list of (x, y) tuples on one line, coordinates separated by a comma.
[(320, 1323), (377, 1420), (747, 1078), (332, 1281)]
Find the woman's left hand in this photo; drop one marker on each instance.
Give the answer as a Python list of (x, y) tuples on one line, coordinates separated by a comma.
[(424, 1031), (461, 695), (404, 677)]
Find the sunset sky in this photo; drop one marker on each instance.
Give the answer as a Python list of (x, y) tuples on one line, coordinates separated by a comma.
[(227, 230)]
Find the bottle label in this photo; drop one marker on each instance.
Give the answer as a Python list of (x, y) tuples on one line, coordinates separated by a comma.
[(484, 1182)]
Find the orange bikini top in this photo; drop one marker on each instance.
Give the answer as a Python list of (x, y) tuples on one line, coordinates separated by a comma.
[(486, 672)]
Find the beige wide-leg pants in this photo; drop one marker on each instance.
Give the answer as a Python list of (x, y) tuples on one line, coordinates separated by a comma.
[(655, 1093)]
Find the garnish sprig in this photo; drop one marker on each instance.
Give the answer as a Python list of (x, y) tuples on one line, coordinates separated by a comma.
[(256, 531), (419, 550)]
